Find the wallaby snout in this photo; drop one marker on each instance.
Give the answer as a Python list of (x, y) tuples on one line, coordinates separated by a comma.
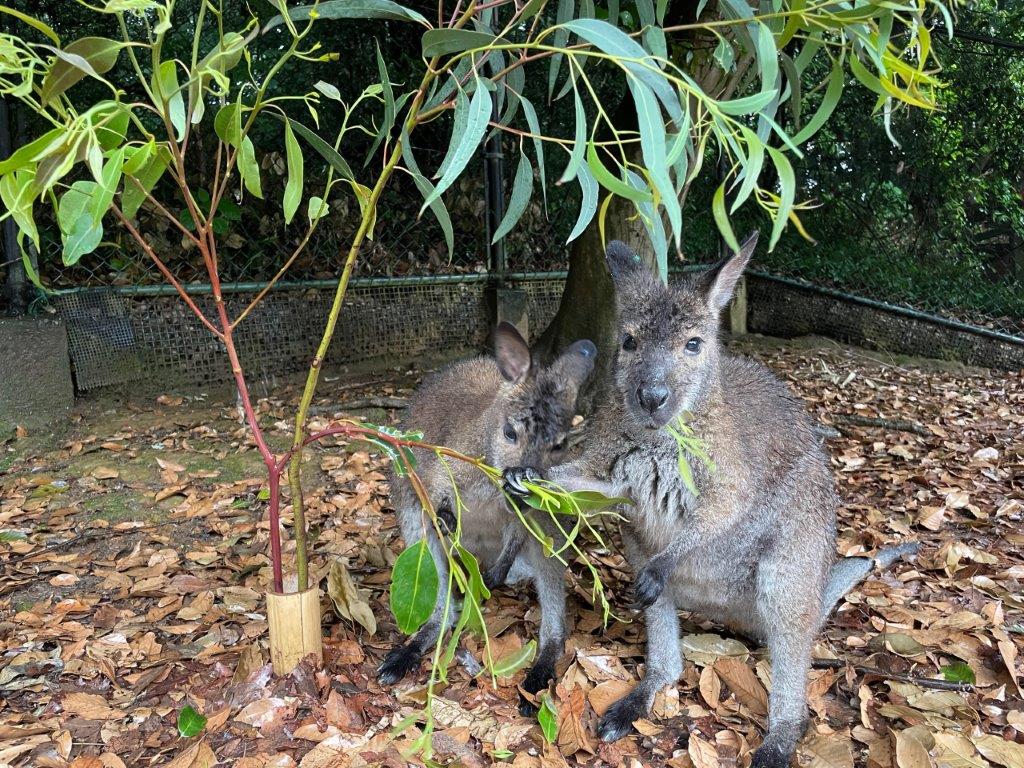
[(652, 396)]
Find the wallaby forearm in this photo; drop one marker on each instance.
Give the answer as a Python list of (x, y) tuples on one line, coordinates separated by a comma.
[(579, 476)]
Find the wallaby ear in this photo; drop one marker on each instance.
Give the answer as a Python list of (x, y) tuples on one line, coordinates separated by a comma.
[(511, 352), (622, 260), (574, 366), (723, 278)]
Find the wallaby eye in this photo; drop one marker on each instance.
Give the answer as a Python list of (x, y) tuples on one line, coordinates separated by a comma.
[(628, 342), (510, 432), (693, 346)]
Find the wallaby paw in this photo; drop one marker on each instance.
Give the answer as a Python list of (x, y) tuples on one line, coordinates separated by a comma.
[(446, 517), (618, 720), (649, 585), (770, 756), (494, 577), (513, 479), (400, 661)]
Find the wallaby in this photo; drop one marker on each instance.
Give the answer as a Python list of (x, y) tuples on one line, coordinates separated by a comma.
[(754, 547), (511, 411)]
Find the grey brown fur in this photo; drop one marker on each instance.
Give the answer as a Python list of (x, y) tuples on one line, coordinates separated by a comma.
[(511, 411), (754, 549)]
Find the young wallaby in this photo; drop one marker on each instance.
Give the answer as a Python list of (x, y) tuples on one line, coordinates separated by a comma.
[(511, 411), (754, 548)]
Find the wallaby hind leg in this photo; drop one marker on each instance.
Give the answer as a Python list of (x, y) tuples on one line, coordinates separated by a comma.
[(848, 572), (404, 658), (663, 667), (790, 649), (549, 580)]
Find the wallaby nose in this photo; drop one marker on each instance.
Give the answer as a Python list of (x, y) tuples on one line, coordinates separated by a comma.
[(652, 397)]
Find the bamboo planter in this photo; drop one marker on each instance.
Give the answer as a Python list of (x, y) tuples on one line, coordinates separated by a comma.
[(294, 621)]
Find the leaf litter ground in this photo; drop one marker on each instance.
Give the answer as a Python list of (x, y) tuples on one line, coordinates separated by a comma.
[(133, 555)]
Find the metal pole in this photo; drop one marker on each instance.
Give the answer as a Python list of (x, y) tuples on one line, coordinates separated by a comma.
[(16, 284), (494, 197)]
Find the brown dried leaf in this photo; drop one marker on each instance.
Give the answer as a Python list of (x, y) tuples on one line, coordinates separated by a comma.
[(744, 684), (349, 602)]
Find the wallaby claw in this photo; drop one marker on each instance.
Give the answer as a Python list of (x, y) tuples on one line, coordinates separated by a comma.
[(400, 661), (536, 680), (649, 585), (618, 720), (446, 517), (514, 477), (494, 577)]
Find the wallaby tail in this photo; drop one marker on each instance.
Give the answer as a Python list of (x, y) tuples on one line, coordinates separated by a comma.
[(850, 571)]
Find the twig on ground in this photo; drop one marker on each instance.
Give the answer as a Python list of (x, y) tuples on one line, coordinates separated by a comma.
[(363, 402), (924, 682)]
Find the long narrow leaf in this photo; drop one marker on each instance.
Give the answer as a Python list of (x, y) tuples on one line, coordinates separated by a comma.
[(522, 191), (464, 142), (588, 204)]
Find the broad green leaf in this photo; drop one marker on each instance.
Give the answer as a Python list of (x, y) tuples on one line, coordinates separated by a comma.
[(588, 203), (293, 187), (80, 234), (330, 91), (165, 85), (350, 9), (18, 191), (92, 56), (547, 716), (214, 66), (414, 586), (316, 208), (110, 125), (249, 169), (227, 123), (579, 142), (426, 188), (389, 106), (109, 181), (26, 155), (787, 181), (32, 22), (147, 176), (190, 722), (612, 183), (722, 218), (833, 92), (515, 660), (329, 153), (464, 144), (538, 145), (438, 42), (522, 191)]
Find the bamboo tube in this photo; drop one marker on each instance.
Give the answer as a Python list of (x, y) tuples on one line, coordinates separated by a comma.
[(294, 621)]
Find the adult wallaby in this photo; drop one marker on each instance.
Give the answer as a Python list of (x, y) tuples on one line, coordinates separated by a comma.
[(754, 547), (511, 411)]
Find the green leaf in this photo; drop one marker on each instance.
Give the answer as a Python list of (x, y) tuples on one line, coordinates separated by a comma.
[(515, 660), (615, 42), (751, 169), (426, 188), (18, 191), (612, 183), (350, 9), (438, 42), (316, 208), (588, 203), (579, 141), (538, 145), (787, 181), (722, 218), (464, 143), (32, 22), (522, 191), (747, 105), (110, 125), (228, 123), (109, 181), (293, 187), (833, 91), (92, 56), (190, 722), (165, 85), (329, 153), (147, 175), (652, 147), (561, 39), (26, 155), (249, 169), (79, 232), (7, 535), (414, 586), (389, 105), (958, 673), (547, 716)]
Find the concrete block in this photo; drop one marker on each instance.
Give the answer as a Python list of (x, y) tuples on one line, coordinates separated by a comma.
[(35, 373)]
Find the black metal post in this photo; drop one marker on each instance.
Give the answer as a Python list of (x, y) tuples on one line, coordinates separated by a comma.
[(494, 197), (16, 286)]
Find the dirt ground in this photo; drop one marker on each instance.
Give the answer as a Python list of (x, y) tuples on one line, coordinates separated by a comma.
[(133, 552)]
